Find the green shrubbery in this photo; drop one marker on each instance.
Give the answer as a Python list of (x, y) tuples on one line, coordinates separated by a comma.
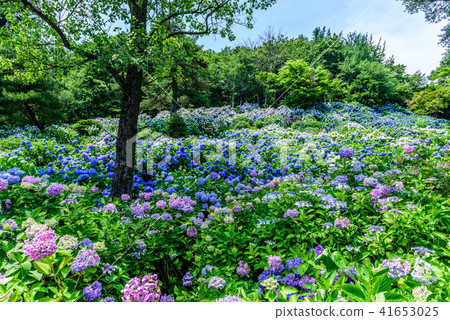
[(87, 127), (241, 123), (176, 126)]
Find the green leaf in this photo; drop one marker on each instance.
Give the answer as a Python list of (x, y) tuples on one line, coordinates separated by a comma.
[(382, 284), (64, 262), (353, 292), (43, 267)]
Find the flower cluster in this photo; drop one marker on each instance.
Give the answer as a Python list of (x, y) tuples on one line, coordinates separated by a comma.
[(85, 258), (92, 292), (143, 289), (216, 282), (242, 269), (42, 245), (398, 268), (55, 189)]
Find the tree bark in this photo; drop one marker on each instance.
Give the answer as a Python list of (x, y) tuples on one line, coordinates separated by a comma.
[(126, 135), (33, 118), (129, 110), (173, 104)]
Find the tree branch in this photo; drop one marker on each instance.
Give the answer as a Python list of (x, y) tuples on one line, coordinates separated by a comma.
[(66, 43)]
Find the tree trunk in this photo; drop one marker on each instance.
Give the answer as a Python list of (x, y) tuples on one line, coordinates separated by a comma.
[(126, 135), (129, 110), (33, 118), (174, 103)]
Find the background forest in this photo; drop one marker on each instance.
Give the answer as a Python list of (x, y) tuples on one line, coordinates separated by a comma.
[(334, 67)]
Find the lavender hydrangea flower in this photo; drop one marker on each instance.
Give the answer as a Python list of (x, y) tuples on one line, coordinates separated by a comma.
[(108, 299), (421, 250), (216, 282), (346, 152), (408, 149), (125, 197), (398, 267), (12, 224), (242, 269), (161, 204), (143, 289), (291, 213), (85, 258), (107, 268), (421, 293), (275, 264), (87, 242), (192, 232), (54, 190), (110, 207), (92, 292), (187, 279), (342, 222), (166, 217), (42, 245), (3, 185), (166, 298)]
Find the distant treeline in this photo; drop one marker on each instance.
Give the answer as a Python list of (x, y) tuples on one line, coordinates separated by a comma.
[(270, 71)]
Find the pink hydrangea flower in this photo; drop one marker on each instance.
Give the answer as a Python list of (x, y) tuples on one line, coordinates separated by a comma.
[(341, 222), (42, 245), (408, 149), (142, 290), (161, 204)]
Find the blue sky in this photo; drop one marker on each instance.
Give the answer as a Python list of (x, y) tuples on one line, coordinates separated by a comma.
[(409, 38)]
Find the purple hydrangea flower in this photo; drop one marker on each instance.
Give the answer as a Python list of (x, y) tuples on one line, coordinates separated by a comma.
[(54, 190), (86, 242), (187, 279), (108, 299), (242, 269), (143, 289), (376, 193), (192, 232), (166, 298), (229, 299), (342, 222), (161, 204), (110, 207), (166, 217), (125, 197), (291, 213), (85, 258), (275, 264), (398, 267), (346, 152), (107, 268), (3, 185), (92, 292), (408, 149)]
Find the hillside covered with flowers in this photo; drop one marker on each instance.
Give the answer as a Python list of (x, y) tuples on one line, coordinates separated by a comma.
[(341, 202)]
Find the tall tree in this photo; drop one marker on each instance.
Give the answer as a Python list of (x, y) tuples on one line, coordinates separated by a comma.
[(64, 34)]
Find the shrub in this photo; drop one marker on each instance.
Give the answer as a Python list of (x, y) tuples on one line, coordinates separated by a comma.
[(259, 124), (87, 127), (176, 126), (241, 123)]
